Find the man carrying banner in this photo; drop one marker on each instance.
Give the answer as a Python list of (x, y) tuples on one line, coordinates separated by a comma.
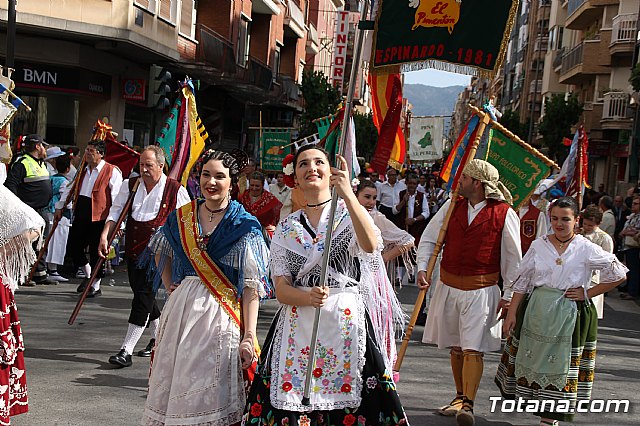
[(154, 199), (533, 224), (482, 243), (95, 193)]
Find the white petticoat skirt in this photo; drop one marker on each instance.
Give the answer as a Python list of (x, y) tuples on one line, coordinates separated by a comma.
[(196, 377), (464, 318), (57, 247)]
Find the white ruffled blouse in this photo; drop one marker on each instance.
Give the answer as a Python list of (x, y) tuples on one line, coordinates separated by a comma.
[(542, 266)]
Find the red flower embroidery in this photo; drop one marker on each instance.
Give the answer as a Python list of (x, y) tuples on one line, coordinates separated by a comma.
[(256, 410), (294, 309), (317, 372), (347, 311), (346, 388), (349, 420), (286, 386)]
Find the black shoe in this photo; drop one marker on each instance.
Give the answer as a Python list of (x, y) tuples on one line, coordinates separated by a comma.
[(94, 293), (146, 352), (82, 285), (122, 358), (46, 281)]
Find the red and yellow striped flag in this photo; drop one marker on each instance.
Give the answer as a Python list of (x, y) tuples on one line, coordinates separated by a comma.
[(386, 100)]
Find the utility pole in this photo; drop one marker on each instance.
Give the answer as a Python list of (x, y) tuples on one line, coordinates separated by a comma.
[(11, 34)]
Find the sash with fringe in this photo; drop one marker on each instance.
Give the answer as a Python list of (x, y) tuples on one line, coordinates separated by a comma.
[(212, 277)]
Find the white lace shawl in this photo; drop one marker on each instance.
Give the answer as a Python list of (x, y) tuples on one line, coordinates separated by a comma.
[(296, 255), (16, 252)]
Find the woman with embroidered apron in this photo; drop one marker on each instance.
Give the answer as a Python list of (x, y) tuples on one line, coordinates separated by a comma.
[(20, 225), (351, 381), (211, 256), (552, 322)]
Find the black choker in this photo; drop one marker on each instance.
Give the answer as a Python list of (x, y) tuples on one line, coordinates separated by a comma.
[(314, 206), (213, 212), (562, 243)]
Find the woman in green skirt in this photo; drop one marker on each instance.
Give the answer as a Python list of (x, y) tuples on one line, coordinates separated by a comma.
[(549, 358)]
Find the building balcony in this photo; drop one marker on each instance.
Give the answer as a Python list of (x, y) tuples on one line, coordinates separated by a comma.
[(294, 20), (265, 7), (614, 111), (623, 34), (535, 88), (588, 58), (580, 13), (541, 44), (313, 42), (214, 50)]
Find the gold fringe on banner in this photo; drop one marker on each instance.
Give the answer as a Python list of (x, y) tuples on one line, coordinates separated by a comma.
[(444, 65)]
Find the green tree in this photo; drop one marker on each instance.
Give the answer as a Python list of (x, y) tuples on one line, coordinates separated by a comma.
[(511, 120), (320, 100), (366, 135), (559, 116)]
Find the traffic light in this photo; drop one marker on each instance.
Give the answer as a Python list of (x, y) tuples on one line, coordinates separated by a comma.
[(159, 88)]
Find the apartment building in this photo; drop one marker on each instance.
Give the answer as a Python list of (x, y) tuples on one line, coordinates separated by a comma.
[(596, 65), (79, 60)]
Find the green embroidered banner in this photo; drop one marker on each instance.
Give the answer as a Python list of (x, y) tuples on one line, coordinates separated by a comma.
[(272, 152), (463, 36), (520, 169)]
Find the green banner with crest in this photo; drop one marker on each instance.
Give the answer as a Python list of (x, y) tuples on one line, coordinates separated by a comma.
[(520, 168)]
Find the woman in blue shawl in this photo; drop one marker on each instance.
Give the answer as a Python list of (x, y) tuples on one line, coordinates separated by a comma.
[(211, 256)]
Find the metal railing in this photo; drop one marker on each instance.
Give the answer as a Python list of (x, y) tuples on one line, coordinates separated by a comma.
[(624, 27), (572, 58), (541, 44), (215, 49), (535, 88), (615, 106)]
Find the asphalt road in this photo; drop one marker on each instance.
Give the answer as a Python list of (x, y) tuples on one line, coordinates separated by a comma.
[(71, 383)]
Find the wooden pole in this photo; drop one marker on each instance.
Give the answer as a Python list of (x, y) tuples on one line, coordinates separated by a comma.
[(96, 268), (260, 135), (72, 191), (484, 120)]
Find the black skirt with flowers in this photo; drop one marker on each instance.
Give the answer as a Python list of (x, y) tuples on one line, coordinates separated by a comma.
[(380, 403)]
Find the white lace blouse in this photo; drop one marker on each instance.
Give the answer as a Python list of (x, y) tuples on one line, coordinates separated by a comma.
[(542, 266)]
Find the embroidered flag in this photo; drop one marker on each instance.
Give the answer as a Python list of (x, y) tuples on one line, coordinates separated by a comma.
[(451, 169), (569, 179), (463, 36), (167, 138)]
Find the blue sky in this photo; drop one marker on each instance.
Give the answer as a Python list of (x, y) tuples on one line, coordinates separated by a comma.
[(436, 78)]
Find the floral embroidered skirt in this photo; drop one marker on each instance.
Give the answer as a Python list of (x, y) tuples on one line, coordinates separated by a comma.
[(380, 404), (13, 381), (581, 366)]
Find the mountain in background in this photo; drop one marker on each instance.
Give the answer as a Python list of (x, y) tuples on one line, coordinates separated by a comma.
[(430, 100)]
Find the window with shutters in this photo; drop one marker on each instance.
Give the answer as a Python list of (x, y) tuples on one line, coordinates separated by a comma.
[(148, 5), (242, 53), (276, 62), (168, 10), (188, 18)]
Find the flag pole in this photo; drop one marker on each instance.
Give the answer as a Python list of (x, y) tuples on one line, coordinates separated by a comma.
[(580, 166), (101, 260), (260, 135), (485, 119), (334, 200)]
